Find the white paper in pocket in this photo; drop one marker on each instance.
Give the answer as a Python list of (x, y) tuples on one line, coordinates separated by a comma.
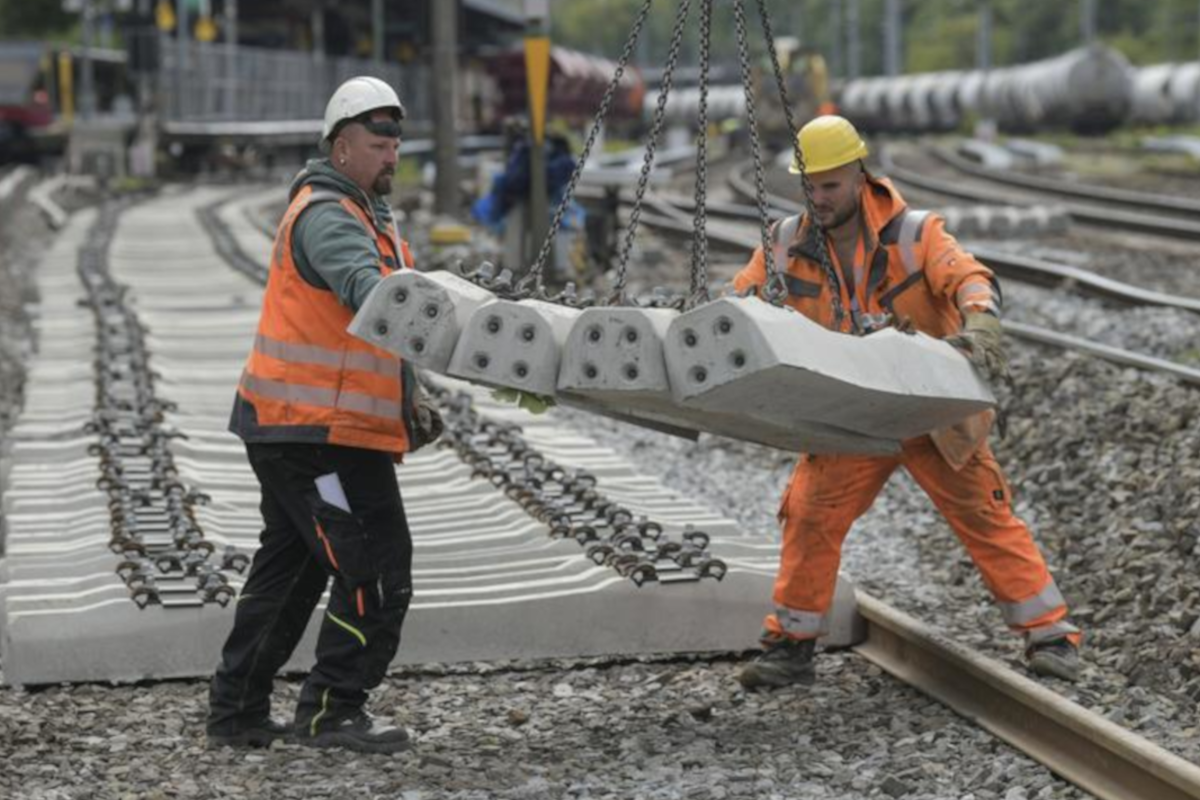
[(329, 487)]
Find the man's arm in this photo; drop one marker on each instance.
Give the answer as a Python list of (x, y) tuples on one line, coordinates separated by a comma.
[(333, 251), (753, 274), (956, 274)]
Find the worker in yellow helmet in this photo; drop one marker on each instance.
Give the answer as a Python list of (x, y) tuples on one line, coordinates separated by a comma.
[(893, 264)]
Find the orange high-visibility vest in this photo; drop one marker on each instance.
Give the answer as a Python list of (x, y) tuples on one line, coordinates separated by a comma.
[(307, 379), (907, 268)]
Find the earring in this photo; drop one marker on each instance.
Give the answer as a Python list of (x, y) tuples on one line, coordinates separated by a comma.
[(342, 161)]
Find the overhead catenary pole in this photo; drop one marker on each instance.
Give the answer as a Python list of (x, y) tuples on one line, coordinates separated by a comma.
[(983, 42), (231, 58), (853, 40), (836, 62), (181, 62), (318, 32), (1087, 21), (445, 105), (377, 31), (893, 32), (87, 82)]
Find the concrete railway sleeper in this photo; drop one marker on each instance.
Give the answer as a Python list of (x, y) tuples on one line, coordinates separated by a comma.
[(165, 558), (569, 502)]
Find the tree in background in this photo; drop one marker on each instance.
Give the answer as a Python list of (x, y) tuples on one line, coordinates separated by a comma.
[(938, 34), (35, 19)]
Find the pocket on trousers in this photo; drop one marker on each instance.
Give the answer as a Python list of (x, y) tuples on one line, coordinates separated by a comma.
[(345, 543)]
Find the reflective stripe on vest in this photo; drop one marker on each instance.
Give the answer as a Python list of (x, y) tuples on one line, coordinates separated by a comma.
[(325, 357), (1022, 613), (783, 239), (977, 295), (800, 624), (910, 234), (320, 397)]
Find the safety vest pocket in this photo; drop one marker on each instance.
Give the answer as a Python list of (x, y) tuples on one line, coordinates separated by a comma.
[(344, 544)]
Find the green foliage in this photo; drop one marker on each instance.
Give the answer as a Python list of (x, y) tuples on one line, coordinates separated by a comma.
[(938, 34), (29, 19)]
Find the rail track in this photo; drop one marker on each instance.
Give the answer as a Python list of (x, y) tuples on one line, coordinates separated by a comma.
[(1088, 750), (1099, 756), (1138, 212)]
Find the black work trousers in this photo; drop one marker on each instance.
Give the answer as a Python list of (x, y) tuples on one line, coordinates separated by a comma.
[(305, 540)]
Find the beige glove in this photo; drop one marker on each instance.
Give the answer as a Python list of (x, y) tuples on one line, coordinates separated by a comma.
[(533, 403), (982, 341)]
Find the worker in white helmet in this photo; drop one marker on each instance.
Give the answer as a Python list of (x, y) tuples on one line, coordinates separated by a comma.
[(324, 416)]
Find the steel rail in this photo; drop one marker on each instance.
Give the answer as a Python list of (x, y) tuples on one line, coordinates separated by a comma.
[(1037, 183), (1083, 747), (1022, 268), (1174, 228)]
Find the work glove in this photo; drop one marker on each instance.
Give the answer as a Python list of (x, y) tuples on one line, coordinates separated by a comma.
[(982, 341), (533, 403)]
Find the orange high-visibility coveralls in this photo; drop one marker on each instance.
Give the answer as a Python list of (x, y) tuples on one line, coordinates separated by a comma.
[(909, 267)]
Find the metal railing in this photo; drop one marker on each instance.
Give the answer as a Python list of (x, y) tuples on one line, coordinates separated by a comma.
[(254, 84)]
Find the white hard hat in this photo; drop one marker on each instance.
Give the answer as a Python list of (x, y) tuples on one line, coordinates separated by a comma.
[(354, 97)]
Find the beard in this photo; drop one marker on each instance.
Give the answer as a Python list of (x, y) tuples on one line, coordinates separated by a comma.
[(383, 183), (837, 217)]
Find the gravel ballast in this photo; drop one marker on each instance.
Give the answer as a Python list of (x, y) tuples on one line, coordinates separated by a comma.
[(1104, 464)]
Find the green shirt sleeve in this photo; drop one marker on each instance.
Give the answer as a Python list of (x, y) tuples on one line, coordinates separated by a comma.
[(333, 251)]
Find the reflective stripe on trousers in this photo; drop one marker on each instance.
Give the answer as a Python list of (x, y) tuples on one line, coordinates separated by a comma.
[(828, 493), (800, 624)]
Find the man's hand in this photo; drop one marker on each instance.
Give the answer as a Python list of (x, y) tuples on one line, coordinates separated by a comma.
[(982, 341)]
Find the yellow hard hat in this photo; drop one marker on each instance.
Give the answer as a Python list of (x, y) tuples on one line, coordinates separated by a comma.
[(828, 142)]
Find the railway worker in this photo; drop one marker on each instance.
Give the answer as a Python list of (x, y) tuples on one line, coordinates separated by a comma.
[(892, 263), (324, 416)]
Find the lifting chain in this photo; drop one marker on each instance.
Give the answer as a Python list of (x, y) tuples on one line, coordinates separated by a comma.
[(698, 291), (775, 290), (531, 284), (835, 292), (664, 91)]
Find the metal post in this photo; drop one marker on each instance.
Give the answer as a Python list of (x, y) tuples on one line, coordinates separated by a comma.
[(983, 44), (836, 63), (892, 32), (318, 33), (537, 68), (1087, 21), (853, 40), (87, 82), (231, 58), (445, 125), (181, 62), (377, 30)]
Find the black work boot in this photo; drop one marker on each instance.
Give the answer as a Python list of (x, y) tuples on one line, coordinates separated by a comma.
[(1055, 658), (354, 730), (256, 733), (784, 662)]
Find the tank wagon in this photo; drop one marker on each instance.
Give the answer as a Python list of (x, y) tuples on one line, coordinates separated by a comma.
[(1087, 90)]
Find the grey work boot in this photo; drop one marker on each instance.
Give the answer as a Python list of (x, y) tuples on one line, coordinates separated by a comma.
[(356, 730), (782, 663), (1056, 658)]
